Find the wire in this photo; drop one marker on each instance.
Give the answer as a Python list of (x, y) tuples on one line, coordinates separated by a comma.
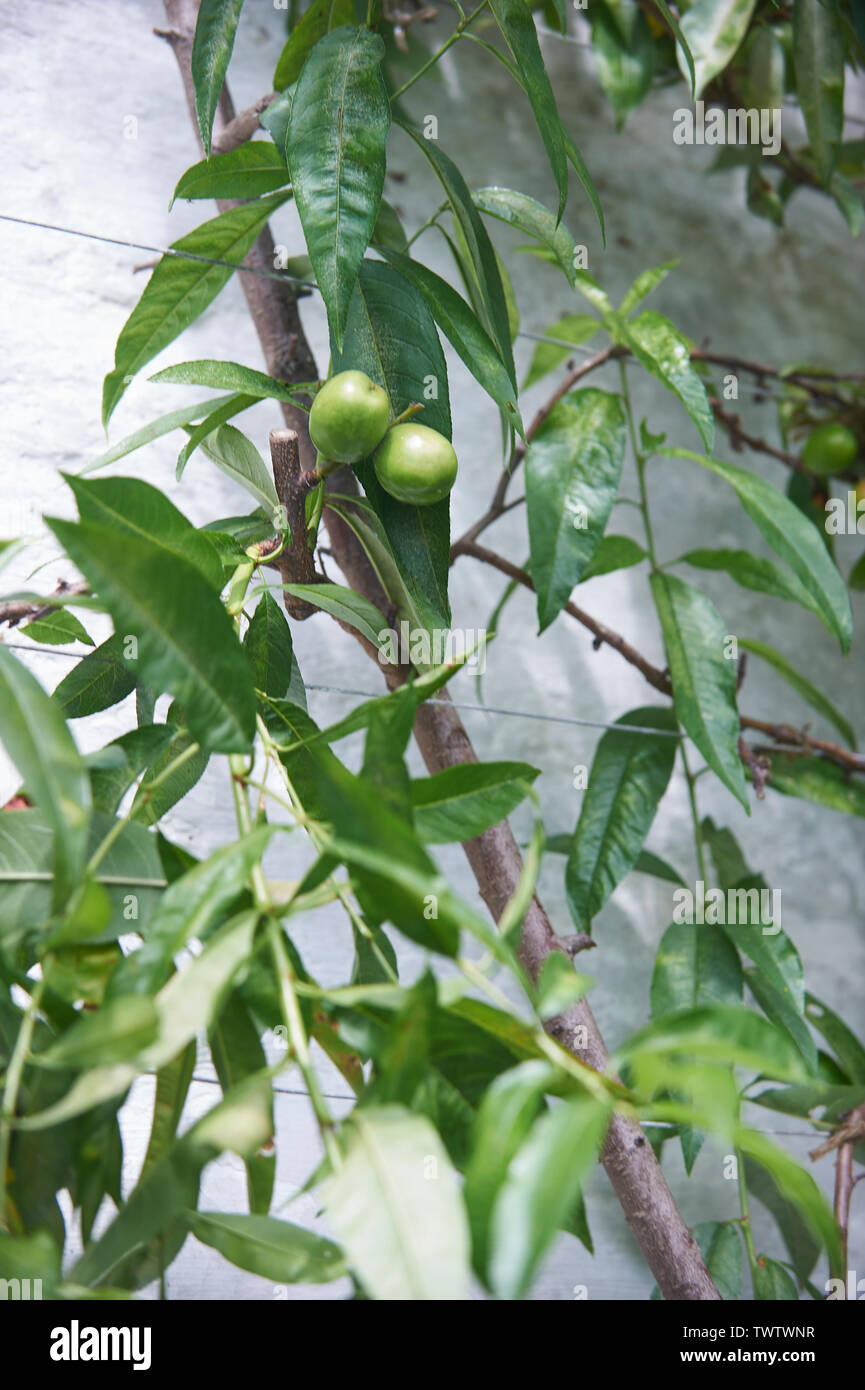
[(454, 704), (161, 250)]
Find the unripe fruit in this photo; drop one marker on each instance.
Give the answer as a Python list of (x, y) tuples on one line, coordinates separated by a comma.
[(416, 464), (830, 448), (348, 417)]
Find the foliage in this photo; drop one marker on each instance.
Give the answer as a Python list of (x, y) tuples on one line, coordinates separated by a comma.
[(474, 1129)]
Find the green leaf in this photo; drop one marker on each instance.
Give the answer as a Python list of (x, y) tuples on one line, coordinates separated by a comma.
[(798, 1187), (579, 164), (237, 1053), (613, 553), (185, 1006), (816, 779), (404, 1235), (845, 1046), (191, 907), (629, 776), (818, 57), (359, 514), (34, 734), (792, 537), (346, 605), (340, 118), (120, 1029), (330, 793), (572, 328), (186, 641), (388, 230), (645, 283), (573, 467), (714, 30), (464, 801), (211, 51), (721, 1247), (158, 1204), (314, 23), (694, 965), (718, 1032), (268, 645), (814, 697), (180, 289), (517, 25), (152, 802), (175, 419), (101, 679), (27, 876), (115, 767), (682, 42), (802, 1247), (704, 682), (390, 334), (238, 458), (132, 507), (664, 352), (625, 65), (849, 202), (753, 572), (56, 628), (475, 242), (648, 863), (463, 331), (273, 1249), (519, 210), (229, 376), (507, 1112), (773, 1282), (779, 1008), (209, 425), (542, 1184), (252, 169)]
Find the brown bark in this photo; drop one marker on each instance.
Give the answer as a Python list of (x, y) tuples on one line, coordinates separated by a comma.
[(669, 1249)]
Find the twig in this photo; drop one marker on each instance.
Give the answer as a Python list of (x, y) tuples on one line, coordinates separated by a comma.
[(803, 742), (497, 506), (604, 636), (758, 766), (17, 611), (242, 127), (844, 1140)]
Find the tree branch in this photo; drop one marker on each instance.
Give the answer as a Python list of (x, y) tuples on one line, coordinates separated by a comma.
[(668, 1246)]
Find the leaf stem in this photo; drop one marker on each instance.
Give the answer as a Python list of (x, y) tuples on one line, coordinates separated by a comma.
[(640, 461), (120, 825), (11, 1088), (745, 1221), (457, 34), (291, 1011)]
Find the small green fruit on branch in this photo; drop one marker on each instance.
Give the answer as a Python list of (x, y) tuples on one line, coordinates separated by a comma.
[(349, 417), (416, 464)]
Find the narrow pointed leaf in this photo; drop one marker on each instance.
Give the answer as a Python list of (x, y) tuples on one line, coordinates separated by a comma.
[(180, 289), (704, 681), (186, 641), (629, 776), (792, 537), (215, 29), (573, 467), (406, 1237), (34, 734), (340, 118)]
